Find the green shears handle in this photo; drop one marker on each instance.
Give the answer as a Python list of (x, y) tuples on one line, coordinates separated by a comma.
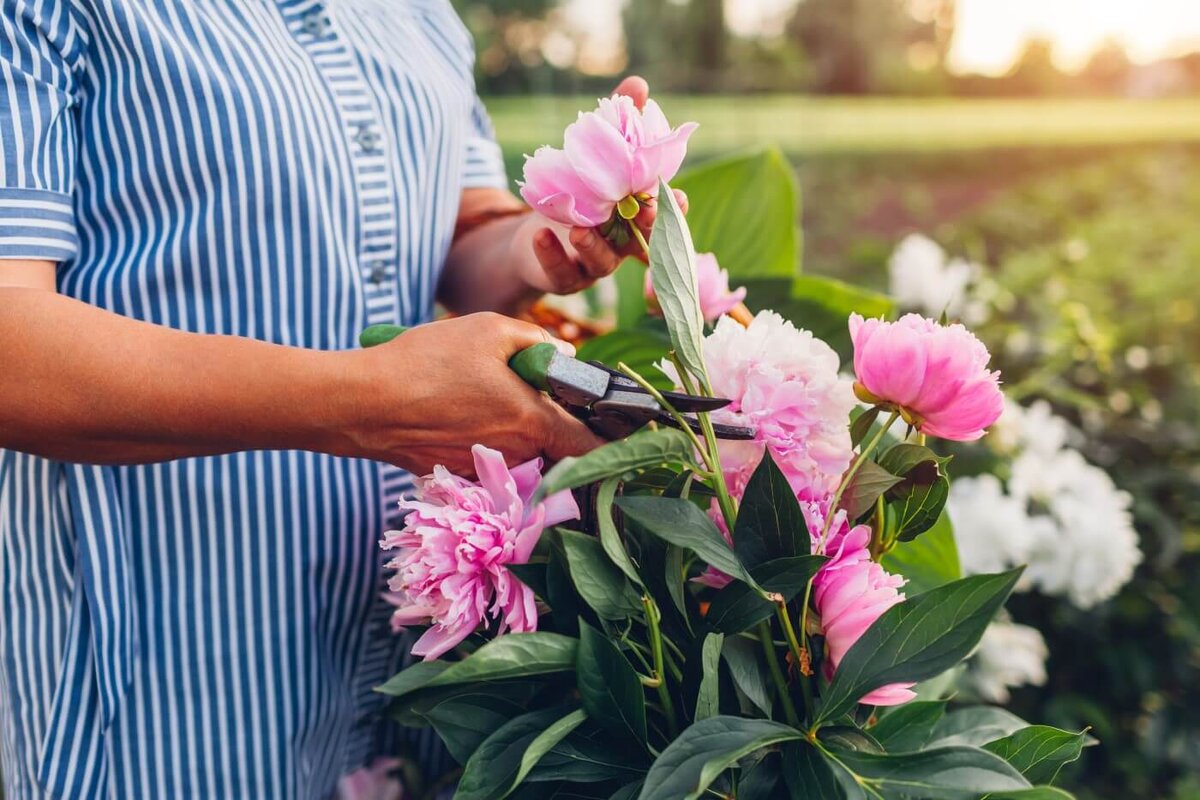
[(532, 363)]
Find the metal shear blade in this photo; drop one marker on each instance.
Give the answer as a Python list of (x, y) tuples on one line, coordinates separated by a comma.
[(614, 406)]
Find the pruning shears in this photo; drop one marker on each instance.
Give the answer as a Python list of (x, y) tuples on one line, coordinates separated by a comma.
[(609, 403)]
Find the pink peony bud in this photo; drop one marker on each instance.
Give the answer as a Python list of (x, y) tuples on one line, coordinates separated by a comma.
[(609, 155), (935, 375), (850, 592), (456, 543), (715, 297)]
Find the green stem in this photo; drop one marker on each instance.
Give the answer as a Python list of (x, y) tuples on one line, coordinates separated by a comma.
[(768, 645), (798, 653), (712, 456), (656, 649), (670, 409), (854, 468), (637, 234)]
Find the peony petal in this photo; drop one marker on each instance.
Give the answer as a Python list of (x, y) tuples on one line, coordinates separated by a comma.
[(554, 190), (441, 639), (497, 480), (600, 156), (527, 477), (560, 507), (660, 159)]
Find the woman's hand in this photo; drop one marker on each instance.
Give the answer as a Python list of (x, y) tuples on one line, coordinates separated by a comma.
[(571, 259), (85, 385), (508, 263), (442, 387)]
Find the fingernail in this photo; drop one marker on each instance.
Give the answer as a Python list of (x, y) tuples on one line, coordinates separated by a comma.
[(566, 348), (589, 239)]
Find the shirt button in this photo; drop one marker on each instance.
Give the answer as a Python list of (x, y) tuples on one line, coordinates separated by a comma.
[(379, 272), (316, 22), (367, 139)]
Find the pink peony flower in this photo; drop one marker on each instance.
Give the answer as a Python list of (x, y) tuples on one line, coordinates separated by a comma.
[(936, 375), (850, 592), (610, 154), (455, 544), (785, 383), (375, 782), (715, 297)]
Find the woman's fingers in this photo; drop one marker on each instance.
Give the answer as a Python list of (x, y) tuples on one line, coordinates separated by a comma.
[(562, 270), (635, 88), (596, 255)]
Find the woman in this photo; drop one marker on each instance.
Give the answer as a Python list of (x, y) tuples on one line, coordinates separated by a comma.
[(201, 205)]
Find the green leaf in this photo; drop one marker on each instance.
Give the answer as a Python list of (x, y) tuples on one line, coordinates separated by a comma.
[(610, 537), (532, 575), (641, 349), (725, 195), (749, 673), (627, 792), (824, 305), (673, 272), (928, 561), (591, 754), (464, 721), (770, 524), (507, 756), (630, 280), (611, 692), (706, 749), (909, 727), (646, 448), (865, 487), (673, 577), (596, 578), (947, 773), (1036, 793), (708, 698), (413, 678), (917, 638), (1039, 751), (848, 737), (760, 781), (514, 655), (917, 501), (862, 425), (737, 607), (680, 523), (976, 726), (810, 775)]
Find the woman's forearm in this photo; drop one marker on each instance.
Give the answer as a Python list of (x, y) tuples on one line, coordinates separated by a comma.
[(81, 384), (484, 266)]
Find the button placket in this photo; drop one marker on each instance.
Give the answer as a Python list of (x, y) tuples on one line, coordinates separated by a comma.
[(316, 30)]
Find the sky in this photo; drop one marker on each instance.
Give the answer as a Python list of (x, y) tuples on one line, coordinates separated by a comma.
[(989, 33)]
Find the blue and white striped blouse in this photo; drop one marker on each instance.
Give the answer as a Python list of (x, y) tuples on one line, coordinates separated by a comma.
[(287, 170)]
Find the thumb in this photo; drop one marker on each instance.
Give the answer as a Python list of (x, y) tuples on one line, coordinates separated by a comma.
[(515, 335)]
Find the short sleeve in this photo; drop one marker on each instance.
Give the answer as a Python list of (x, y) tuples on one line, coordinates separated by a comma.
[(40, 50), (484, 167)]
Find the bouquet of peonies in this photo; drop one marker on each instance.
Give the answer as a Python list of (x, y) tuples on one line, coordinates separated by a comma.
[(674, 616)]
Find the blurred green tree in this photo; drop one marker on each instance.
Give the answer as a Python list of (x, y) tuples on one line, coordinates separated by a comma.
[(864, 46)]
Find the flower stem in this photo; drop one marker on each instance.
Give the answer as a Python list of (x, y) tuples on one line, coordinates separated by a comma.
[(637, 234), (670, 409), (789, 710), (712, 455), (854, 468), (656, 648)]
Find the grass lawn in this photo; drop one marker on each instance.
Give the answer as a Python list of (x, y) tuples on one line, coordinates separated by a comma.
[(809, 126)]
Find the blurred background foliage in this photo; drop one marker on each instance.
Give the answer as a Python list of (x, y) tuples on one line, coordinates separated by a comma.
[(1074, 181)]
